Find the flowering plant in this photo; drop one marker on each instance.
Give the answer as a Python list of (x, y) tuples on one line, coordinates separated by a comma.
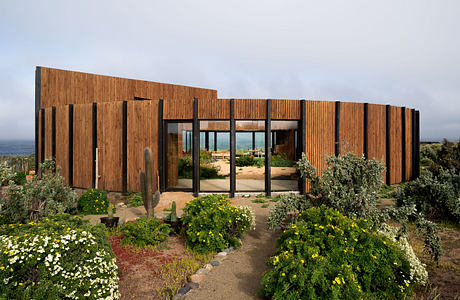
[(58, 257), (93, 202), (329, 256), (212, 224), (145, 231)]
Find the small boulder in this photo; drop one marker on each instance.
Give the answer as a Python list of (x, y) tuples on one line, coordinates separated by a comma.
[(202, 272), (197, 278), (208, 267), (214, 263)]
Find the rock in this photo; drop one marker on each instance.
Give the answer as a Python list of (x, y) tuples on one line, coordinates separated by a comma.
[(214, 263), (184, 290), (208, 267), (120, 205), (193, 285), (228, 250), (223, 253), (202, 272), (197, 278)]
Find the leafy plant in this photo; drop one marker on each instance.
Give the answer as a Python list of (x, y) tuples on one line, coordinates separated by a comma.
[(437, 197), (212, 224), (245, 161), (39, 198), (93, 202), (446, 156), (287, 209), (145, 232), (135, 200), (281, 160), (60, 257), (329, 256), (258, 200)]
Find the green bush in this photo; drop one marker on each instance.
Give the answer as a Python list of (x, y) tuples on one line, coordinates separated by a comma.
[(437, 197), (281, 160), (6, 173), (329, 256), (145, 232), (245, 161), (39, 198), (60, 257), (93, 202), (446, 156), (350, 184), (287, 209), (212, 224), (136, 200), (20, 178), (207, 170)]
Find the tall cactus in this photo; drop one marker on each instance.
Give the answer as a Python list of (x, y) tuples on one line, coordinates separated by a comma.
[(173, 212), (146, 179)]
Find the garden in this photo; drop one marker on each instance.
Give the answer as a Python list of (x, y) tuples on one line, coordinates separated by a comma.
[(350, 237)]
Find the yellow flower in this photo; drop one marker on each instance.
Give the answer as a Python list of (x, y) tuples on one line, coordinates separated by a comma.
[(302, 261), (21, 283), (294, 276), (198, 233), (315, 255), (282, 274)]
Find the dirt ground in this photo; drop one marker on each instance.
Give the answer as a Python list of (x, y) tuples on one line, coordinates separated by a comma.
[(254, 172)]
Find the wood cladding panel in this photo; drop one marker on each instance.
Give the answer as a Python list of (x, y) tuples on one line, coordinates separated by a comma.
[(48, 133), (408, 144), (82, 146), (249, 109), (319, 132), (396, 145), (181, 108), (142, 121), (377, 133), (62, 87), (109, 144), (214, 109), (283, 109), (352, 128), (62, 140), (39, 155)]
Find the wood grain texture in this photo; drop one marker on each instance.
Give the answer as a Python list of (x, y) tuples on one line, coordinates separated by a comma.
[(377, 131), (142, 132), (62, 140), (109, 143), (250, 109), (396, 145), (319, 132), (283, 109), (82, 146), (352, 128), (62, 87), (408, 144), (210, 109), (48, 133)]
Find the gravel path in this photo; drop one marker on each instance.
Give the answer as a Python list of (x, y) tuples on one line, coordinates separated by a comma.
[(239, 275)]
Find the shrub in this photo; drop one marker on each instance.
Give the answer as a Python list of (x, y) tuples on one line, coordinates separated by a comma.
[(245, 161), (185, 167), (20, 178), (145, 232), (446, 156), (58, 257), (436, 197), (287, 209), (212, 224), (350, 184), (93, 202), (281, 160), (6, 173), (136, 200), (329, 256), (207, 170), (39, 198)]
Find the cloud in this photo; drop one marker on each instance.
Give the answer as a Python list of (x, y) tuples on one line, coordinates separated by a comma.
[(390, 52)]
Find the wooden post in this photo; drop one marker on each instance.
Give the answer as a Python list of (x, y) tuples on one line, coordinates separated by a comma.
[(388, 144), (302, 144), (403, 144), (268, 185), (232, 149), (196, 149), (366, 130), (337, 128), (53, 136), (94, 123)]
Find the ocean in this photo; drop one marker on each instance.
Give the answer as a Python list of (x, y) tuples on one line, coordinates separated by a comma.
[(17, 147)]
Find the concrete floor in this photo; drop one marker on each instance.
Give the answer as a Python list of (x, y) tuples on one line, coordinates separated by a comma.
[(241, 185)]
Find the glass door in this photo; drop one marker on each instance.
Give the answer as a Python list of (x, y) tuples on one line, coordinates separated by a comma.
[(178, 156)]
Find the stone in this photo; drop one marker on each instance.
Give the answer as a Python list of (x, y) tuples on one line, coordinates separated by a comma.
[(202, 272), (228, 250), (222, 253), (193, 285), (208, 267), (214, 263), (197, 278), (184, 290), (120, 205)]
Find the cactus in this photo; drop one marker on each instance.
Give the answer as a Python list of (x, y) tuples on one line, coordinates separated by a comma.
[(146, 180), (110, 210), (173, 213)]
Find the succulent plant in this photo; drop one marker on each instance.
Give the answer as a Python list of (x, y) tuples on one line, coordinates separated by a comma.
[(110, 210), (146, 180)]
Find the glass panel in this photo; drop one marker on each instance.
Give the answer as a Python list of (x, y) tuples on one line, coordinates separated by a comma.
[(215, 158), (284, 175), (250, 156), (179, 162)]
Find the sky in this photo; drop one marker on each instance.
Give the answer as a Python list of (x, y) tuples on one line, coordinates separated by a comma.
[(403, 53)]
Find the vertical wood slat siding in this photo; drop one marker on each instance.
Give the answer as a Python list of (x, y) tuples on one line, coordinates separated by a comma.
[(62, 87), (248, 109), (377, 140), (142, 132), (62, 140), (283, 109), (319, 133), (213, 109), (395, 144), (39, 152), (109, 141), (408, 144), (82, 149), (48, 133), (352, 128)]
